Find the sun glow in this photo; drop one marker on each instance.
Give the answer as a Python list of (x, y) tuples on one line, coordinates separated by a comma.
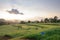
[(8, 16)]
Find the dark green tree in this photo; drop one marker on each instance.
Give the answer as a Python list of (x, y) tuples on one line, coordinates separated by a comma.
[(55, 19), (37, 21), (46, 20), (29, 21), (22, 22), (58, 20), (51, 20)]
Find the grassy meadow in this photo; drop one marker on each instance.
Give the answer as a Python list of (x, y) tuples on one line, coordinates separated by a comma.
[(30, 31)]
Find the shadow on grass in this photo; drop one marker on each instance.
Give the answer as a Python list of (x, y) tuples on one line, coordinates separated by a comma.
[(5, 37)]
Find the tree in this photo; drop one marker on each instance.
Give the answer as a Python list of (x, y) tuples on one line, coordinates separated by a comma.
[(46, 20), (41, 21), (51, 20), (29, 21), (22, 22), (58, 20), (2, 21), (37, 21), (55, 19)]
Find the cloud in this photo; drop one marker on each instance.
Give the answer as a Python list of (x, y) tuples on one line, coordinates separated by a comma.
[(14, 11)]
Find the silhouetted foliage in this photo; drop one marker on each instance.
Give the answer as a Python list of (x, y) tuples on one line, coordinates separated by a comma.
[(41, 21), (55, 19), (58, 21), (2, 21), (22, 22), (29, 21), (36, 21), (52, 20), (46, 20)]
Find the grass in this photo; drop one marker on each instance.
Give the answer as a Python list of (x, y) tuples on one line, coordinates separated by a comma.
[(32, 31)]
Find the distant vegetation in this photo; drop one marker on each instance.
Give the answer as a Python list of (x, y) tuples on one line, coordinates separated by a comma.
[(52, 20), (46, 20)]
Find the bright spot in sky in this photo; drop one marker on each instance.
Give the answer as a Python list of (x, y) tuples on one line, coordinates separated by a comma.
[(8, 16)]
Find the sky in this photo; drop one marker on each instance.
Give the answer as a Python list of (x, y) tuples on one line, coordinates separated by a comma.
[(30, 8)]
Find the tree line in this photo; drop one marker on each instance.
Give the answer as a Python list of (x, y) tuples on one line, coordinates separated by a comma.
[(52, 20), (46, 20)]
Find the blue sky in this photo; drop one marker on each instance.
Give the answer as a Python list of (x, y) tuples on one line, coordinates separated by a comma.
[(32, 8)]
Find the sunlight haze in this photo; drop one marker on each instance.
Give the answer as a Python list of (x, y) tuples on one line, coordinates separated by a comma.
[(30, 8)]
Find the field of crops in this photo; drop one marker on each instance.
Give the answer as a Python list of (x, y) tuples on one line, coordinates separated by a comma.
[(30, 31)]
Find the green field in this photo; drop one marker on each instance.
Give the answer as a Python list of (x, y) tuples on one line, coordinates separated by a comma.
[(31, 31)]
